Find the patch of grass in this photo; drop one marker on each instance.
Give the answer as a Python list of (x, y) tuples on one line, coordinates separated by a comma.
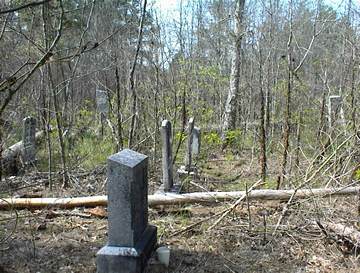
[(235, 186), (92, 151), (270, 183), (357, 174), (87, 150)]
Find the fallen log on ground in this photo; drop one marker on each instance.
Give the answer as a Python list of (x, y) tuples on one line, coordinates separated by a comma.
[(346, 236), (176, 199), (11, 155)]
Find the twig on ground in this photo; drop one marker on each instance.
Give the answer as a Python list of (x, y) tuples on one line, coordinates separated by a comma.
[(227, 211)]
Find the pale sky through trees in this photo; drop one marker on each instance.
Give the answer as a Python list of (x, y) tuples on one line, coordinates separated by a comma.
[(170, 5)]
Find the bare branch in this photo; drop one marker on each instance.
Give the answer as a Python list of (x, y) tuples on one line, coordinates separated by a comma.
[(40, 63), (32, 4)]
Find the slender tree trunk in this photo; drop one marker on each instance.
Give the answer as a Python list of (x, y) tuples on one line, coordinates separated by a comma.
[(45, 119), (59, 126), (229, 120), (352, 92), (298, 139), (119, 145), (156, 112), (1, 149), (48, 144), (183, 124), (131, 78), (287, 114), (263, 163)]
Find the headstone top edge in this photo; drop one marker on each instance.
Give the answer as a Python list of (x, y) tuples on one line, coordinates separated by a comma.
[(128, 158), (101, 90), (28, 118), (165, 123)]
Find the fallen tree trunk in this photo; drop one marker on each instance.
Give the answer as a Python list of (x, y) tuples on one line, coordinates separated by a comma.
[(175, 199), (346, 236), (11, 155)]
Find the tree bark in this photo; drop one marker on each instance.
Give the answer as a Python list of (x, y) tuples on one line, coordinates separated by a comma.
[(177, 199), (287, 114), (131, 78), (229, 121), (119, 144), (263, 161)]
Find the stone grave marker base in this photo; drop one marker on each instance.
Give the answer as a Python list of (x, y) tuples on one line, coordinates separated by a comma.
[(115, 259)]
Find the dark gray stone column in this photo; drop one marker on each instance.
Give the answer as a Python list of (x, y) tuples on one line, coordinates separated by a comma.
[(131, 240), (167, 166), (29, 130)]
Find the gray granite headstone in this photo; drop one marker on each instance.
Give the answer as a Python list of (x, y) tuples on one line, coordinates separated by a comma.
[(29, 130), (131, 240), (336, 113), (188, 156), (196, 141), (102, 101), (167, 166)]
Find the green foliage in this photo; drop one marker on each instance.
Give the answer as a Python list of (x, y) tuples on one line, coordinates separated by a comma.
[(270, 183), (229, 156), (91, 151), (179, 136), (233, 137), (357, 175), (86, 117), (212, 138)]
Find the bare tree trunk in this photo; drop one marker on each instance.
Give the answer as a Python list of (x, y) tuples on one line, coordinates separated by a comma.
[(119, 145), (45, 119), (229, 120), (262, 121), (287, 114), (183, 115), (46, 38), (59, 126), (178, 199), (1, 150), (156, 112), (352, 91), (298, 139), (131, 77)]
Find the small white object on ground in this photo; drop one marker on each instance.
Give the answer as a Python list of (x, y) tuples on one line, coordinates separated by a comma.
[(163, 254)]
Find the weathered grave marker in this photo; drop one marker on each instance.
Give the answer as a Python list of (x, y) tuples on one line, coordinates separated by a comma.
[(102, 106), (167, 166), (336, 114), (196, 141), (102, 101), (29, 142), (188, 155), (131, 240)]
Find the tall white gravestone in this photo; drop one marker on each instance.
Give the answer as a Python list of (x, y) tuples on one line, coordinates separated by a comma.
[(188, 155), (196, 141), (167, 166)]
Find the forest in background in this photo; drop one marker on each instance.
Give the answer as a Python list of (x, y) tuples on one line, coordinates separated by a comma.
[(272, 84), (256, 76)]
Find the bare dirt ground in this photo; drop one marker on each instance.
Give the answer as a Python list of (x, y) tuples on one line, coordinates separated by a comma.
[(55, 240)]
